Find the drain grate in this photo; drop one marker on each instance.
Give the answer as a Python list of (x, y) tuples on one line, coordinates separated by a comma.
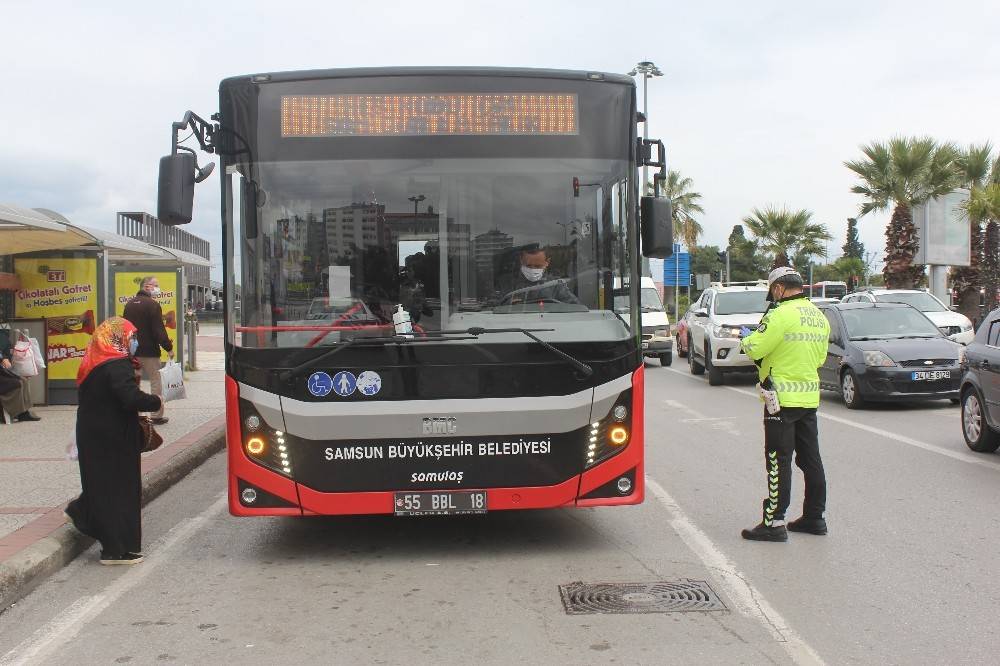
[(662, 597)]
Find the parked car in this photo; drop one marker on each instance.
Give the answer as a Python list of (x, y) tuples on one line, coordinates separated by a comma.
[(981, 388), (656, 340), (954, 325), (714, 328), (888, 352)]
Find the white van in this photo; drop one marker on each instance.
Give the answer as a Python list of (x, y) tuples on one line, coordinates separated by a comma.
[(656, 339)]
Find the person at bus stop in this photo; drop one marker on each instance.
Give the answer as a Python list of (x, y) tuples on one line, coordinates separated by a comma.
[(532, 283), (15, 394), (788, 347), (109, 441), (147, 317)]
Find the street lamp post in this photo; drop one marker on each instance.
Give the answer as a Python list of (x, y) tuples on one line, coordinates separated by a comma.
[(416, 200), (648, 71)]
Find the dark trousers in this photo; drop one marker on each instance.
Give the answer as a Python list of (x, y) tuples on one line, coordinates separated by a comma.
[(792, 430)]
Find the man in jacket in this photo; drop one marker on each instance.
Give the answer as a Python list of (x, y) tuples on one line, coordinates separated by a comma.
[(788, 347), (147, 317), (533, 284)]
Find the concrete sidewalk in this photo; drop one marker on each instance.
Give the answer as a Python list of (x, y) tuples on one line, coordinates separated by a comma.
[(36, 479)]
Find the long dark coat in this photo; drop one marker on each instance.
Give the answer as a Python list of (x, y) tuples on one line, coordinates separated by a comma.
[(109, 441)]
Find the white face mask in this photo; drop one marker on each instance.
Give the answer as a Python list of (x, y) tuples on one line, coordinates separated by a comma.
[(153, 291), (532, 274)]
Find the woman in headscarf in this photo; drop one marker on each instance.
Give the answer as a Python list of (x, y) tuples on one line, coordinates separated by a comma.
[(109, 440)]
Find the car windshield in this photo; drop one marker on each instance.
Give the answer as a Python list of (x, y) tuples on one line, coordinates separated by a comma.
[(888, 323), (921, 300), (741, 302)]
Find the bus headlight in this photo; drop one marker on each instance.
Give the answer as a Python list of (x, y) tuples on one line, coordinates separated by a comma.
[(264, 445), (611, 434)]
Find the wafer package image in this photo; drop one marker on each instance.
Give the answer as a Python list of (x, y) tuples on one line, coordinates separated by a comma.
[(71, 324)]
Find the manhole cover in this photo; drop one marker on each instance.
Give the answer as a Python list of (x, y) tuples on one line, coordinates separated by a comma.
[(661, 597)]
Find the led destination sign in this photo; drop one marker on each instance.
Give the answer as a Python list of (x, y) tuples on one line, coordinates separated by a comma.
[(431, 114)]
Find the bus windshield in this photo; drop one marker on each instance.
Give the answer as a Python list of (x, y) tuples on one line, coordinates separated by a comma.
[(337, 247)]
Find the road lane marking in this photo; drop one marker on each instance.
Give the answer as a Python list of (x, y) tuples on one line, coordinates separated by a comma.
[(748, 599), (902, 439), (68, 623)]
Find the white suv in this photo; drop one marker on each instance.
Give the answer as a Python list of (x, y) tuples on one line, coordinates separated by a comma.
[(714, 323), (954, 325)]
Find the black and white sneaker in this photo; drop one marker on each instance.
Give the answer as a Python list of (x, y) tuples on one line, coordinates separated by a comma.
[(127, 558)]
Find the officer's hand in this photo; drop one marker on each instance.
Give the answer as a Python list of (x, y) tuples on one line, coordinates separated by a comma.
[(5, 363), (744, 331)]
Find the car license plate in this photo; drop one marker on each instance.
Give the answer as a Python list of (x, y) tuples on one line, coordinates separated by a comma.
[(440, 503), (645, 345), (931, 375)]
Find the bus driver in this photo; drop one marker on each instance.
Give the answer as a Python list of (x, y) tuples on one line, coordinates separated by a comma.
[(531, 284)]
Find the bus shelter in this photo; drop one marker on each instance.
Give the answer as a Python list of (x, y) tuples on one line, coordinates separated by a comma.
[(68, 278)]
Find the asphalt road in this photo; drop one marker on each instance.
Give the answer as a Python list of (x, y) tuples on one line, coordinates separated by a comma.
[(904, 577)]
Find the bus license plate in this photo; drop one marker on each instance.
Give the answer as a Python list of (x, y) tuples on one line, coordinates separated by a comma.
[(645, 345), (931, 375), (440, 503)]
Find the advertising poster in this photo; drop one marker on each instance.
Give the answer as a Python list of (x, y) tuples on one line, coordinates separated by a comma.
[(127, 286), (64, 293)]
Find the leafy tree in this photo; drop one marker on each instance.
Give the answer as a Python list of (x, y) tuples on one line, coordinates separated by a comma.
[(902, 173), (853, 247), (684, 205), (745, 262), (784, 233), (984, 205)]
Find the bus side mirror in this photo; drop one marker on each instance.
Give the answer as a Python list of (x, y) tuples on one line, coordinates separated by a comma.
[(657, 227), (175, 197)]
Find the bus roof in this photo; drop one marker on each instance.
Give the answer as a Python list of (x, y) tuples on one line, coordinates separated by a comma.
[(373, 72)]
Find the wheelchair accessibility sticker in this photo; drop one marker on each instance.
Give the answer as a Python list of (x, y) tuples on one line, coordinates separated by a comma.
[(320, 384)]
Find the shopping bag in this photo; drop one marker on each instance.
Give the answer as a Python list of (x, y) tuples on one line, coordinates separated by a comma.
[(172, 381), (36, 351), (22, 360)]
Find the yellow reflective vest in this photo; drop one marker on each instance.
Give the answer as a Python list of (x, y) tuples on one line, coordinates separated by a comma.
[(789, 345)]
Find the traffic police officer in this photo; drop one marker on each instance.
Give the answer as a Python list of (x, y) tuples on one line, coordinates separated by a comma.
[(788, 347)]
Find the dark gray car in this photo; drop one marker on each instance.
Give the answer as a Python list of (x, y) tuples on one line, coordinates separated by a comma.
[(981, 388), (888, 352)]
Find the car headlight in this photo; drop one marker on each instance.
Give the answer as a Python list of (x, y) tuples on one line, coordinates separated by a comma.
[(726, 332), (966, 327), (878, 359)]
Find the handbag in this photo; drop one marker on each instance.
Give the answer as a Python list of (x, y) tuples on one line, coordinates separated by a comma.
[(36, 352), (151, 440)]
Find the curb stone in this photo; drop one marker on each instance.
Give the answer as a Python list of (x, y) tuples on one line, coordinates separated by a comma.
[(29, 567)]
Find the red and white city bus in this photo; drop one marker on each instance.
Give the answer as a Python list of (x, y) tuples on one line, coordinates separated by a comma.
[(425, 264)]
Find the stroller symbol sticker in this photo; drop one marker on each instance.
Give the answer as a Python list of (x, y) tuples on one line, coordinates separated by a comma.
[(320, 384), (369, 382), (344, 383)]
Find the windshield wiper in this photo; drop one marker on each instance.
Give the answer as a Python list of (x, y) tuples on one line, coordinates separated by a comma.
[(530, 332), (366, 342)]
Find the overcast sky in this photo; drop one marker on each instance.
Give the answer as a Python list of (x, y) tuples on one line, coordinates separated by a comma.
[(760, 103)]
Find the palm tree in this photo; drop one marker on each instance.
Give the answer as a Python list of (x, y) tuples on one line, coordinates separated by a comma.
[(984, 205), (684, 203), (786, 233), (902, 173), (974, 171)]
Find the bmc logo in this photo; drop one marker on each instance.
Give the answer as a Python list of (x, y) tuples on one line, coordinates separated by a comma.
[(440, 425), (56, 276)]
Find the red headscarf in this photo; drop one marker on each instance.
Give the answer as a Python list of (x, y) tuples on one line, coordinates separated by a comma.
[(111, 341)]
